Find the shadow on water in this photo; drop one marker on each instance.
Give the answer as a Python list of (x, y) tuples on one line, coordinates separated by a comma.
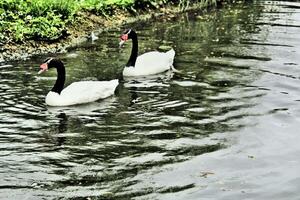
[(112, 149)]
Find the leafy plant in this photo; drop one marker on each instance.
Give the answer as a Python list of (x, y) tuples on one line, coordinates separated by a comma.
[(22, 20)]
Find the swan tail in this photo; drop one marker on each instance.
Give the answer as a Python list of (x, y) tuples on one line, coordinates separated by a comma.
[(172, 68), (114, 83), (171, 54)]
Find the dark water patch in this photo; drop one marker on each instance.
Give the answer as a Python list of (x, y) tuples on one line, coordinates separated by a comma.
[(262, 88), (280, 74), (278, 25), (292, 6), (194, 150), (264, 44), (218, 62), (277, 12), (176, 188), (163, 136), (223, 83), (290, 63), (246, 57), (278, 110), (14, 187)]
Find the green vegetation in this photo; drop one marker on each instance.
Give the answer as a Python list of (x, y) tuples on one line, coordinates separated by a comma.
[(48, 20), (35, 19)]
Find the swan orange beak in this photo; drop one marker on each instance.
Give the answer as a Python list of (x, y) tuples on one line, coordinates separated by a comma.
[(43, 67)]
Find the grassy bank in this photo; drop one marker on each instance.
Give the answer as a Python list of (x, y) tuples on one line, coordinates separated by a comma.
[(49, 20)]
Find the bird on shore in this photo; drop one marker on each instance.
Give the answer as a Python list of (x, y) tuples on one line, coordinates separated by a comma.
[(78, 92), (93, 36), (149, 63)]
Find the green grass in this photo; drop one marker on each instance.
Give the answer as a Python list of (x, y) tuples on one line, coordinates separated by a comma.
[(48, 20), (35, 19)]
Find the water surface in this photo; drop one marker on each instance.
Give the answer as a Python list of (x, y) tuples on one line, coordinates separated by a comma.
[(227, 127)]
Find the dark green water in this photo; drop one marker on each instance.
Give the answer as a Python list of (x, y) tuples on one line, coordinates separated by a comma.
[(226, 128)]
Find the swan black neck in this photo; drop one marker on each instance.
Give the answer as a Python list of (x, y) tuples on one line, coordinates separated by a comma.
[(134, 50), (61, 76)]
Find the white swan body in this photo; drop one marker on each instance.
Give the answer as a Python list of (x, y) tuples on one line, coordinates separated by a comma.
[(78, 92), (150, 63), (82, 92)]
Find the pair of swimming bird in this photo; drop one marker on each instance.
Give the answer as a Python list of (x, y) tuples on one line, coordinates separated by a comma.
[(153, 62)]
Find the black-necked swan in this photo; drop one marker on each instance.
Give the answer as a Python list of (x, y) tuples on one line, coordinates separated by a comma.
[(149, 63), (78, 92)]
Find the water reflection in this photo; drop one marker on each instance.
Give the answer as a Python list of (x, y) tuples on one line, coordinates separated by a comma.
[(62, 127), (148, 141)]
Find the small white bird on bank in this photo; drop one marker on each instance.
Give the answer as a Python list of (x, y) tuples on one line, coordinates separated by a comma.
[(149, 63), (93, 36), (78, 92)]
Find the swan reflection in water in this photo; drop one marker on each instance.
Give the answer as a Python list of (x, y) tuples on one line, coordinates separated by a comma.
[(62, 128), (131, 87)]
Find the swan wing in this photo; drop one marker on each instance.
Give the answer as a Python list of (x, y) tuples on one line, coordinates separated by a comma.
[(82, 92)]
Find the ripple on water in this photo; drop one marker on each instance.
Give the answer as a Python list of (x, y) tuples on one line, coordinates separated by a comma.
[(168, 136)]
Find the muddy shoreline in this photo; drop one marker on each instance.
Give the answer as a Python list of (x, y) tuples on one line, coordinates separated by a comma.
[(80, 32)]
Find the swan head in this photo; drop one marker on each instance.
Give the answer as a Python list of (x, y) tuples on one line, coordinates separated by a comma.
[(48, 64), (126, 35)]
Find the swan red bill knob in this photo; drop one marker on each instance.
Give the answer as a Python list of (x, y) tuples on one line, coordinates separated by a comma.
[(43, 67), (124, 37)]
